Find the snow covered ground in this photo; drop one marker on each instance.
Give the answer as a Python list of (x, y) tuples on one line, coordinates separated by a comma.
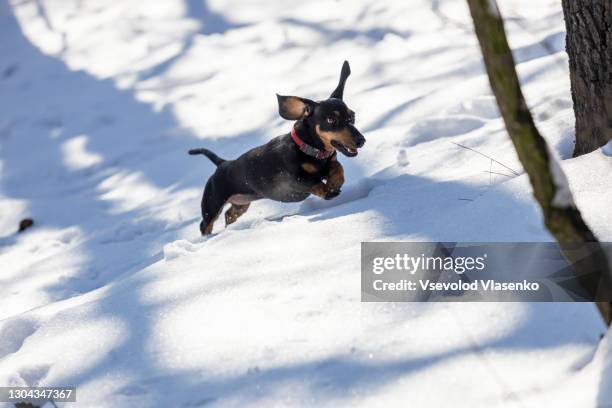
[(113, 290)]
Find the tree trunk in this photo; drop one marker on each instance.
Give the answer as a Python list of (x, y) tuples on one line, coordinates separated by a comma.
[(550, 187), (589, 46)]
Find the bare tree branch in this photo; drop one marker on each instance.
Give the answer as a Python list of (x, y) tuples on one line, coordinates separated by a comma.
[(550, 187)]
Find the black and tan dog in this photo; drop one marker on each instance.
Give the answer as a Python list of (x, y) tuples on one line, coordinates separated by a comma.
[(290, 167)]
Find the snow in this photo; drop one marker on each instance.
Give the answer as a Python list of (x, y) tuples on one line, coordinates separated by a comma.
[(563, 194), (607, 149), (114, 291), (600, 367)]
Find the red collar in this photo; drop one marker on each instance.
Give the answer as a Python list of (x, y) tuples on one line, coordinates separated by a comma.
[(310, 150)]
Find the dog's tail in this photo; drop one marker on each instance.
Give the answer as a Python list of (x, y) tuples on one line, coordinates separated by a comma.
[(211, 156)]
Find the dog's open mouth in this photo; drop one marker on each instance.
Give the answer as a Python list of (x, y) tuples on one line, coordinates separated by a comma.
[(345, 150)]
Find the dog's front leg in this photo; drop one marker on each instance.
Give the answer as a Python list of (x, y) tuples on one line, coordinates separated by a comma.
[(322, 190), (335, 176), (335, 180)]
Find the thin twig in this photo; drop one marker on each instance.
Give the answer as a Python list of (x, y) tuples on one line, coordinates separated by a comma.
[(488, 157), (500, 174)]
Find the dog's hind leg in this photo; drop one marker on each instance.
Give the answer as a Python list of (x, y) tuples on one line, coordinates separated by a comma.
[(234, 212), (206, 226), (212, 204)]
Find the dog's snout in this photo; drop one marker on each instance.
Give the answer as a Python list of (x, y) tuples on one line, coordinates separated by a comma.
[(360, 141), (358, 138)]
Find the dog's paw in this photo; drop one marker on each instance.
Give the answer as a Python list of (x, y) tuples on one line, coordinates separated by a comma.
[(332, 194)]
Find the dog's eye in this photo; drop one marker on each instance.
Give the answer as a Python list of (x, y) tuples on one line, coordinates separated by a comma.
[(331, 120), (351, 119)]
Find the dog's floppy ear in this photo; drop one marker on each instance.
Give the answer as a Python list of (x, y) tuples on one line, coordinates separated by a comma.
[(294, 107), (339, 91)]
